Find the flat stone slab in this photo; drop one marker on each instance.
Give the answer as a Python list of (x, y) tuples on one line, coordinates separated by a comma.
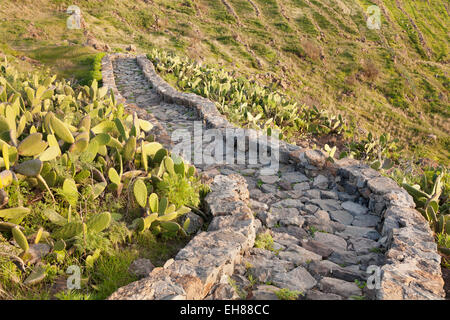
[(294, 177), (320, 182), (363, 245), (297, 280), (366, 220), (359, 232), (288, 203), (301, 186), (354, 208), (332, 241), (265, 292), (340, 287), (341, 216), (327, 204), (318, 295), (284, 217), (269, 179), (298, 255)]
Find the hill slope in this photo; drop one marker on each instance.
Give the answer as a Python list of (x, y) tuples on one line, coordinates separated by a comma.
[(320, 52)]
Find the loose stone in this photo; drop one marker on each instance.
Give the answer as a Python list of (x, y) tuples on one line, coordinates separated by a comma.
[(297, 280), (354, 208), (341, 216), (340, 287)]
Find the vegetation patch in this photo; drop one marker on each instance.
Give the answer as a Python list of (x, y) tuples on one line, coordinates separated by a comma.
[(83, 185)]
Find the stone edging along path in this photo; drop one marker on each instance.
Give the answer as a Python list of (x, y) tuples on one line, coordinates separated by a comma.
[(319, 190)]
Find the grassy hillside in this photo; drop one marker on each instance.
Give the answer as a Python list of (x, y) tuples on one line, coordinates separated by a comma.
[(320, 52)]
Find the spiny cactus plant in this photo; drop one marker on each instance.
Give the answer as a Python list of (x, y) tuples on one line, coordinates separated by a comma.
[(75, 147), (431, 201), (244, 102)]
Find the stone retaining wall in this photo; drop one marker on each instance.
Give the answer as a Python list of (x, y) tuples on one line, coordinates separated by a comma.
[(209, 258), (412, 269)]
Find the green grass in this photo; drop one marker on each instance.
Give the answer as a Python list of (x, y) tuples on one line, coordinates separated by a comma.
[(207, 32)]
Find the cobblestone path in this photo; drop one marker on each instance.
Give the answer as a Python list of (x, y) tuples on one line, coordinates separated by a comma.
[(314, 235)]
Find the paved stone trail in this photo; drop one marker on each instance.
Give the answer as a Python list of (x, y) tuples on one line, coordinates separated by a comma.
[(324, 237)]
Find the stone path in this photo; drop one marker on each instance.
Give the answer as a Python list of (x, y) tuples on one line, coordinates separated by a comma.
[(318, 235)]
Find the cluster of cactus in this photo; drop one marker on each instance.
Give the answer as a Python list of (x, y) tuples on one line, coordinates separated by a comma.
[(74, 144), (245, 102), (159, 213), (431, 203), (320, 121)]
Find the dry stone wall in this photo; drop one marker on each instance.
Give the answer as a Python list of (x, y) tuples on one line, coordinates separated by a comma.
[(354, 206)]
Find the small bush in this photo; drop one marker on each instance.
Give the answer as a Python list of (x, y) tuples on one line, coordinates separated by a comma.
[(311, 49)]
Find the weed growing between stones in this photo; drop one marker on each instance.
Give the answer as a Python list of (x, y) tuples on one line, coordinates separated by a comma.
[(286, 294)]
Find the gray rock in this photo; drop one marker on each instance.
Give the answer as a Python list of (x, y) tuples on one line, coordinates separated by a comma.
[(317, 247), (318, 224), (343, 196), (312, 193), (343, 258), (264, 292), (322, 268), (333, 241), (328, 194), (294, 231), (362, 245), (195, 224), (265, 270), (285, 185), (240, 281), (318, 295), (320, 182), (372, 258), (278, 246), (269, 179), (359, 232), (288, 203), (298, 255), (294, 194), (248, 172), (341, 216), (268, 188), (227, 171), (285, 239), (339, 287), (295, 177), (310, 208), (141, 267), (284, 217), (366, 220), (223, 291), (257, 206), (381, 185), (301, 186), (326, 268), (327, 204), (354, 208), (298, 279), (322, 215)]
